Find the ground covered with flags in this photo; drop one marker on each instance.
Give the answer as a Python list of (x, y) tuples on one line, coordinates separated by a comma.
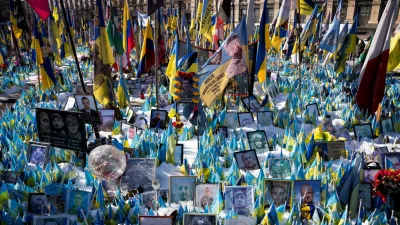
[(117, 124)]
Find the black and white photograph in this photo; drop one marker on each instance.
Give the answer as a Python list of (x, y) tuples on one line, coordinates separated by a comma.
[(312, 110), (265, 118), (11, 177), (63, 129), (241, 198), (156, 220), (199, 219), (308, 191), (245, 119), (278, 192), (390, 160), (51, 220), (205, 194), (241, 221), (107, 118), (70, 104), (258, 141), (178, 155), (87, 105), (38, 153), (387, 125), (251, 103), (149, 199), (280, 167), (158, 119), (223, 130), (362, 131), (181, 188), (365, 194), (77, 200), (37, 204), (247, 160), (139, 173)]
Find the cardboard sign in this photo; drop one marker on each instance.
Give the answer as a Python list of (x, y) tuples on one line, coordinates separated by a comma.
[(336, 149)]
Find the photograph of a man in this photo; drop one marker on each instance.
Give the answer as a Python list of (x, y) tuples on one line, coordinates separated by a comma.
[(238, 61), (87, 105), (158, 119)]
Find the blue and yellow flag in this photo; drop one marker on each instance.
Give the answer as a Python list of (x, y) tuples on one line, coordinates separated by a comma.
[(101, 37), (147, 56), (205, 23), (263, 45), (306, 7), (122, 93), (351, 48), (281, 27), (230, 60)]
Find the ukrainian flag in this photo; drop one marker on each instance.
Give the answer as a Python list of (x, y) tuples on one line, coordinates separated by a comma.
[(13, 20), (101, 37), (173, 60), (351, 48), (394, 53), (122, 93), (281, 27), (263, 45), (37, 43), (147, 56), (306, 7)]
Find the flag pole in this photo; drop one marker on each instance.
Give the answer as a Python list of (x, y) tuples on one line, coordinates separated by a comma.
[(73, 47), (299, 45), (156, 56)]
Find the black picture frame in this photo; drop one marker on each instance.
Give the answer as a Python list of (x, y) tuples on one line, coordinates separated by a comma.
[(366, 126), (388, 121), (263, 138), (241, 124), (63, 129), (258, 116), (180, 161), (253, 99), (46, 147), (163, 121), (93, 116), (32, 205), (239, 160), (383, 155), (223, 130), (316, 106)]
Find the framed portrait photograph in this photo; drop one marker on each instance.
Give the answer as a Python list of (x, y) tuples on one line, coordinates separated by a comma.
[(107, 118), (199, 219), (390, 157), (38, 153), (362, 131), (63, 129), (309, 190), (77, 200), (241, 221), (265, 118), (135, 92), (149, 199), (223, 130), (278, 192), (231, 120), (365, 194), (58, 202), (387, 125), (163, 193), (251, 103), (258, 141), (241, 198), (70, 104), (51, 220), (37, 203), (247, 160), (158, 118), (88, 106), (156, 220), (181, 188), (369, 175), (128, 129), (178, 155), (139, 173), (205, 194), (245, 119), (280, 167), (312, 109), (11, 177)]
